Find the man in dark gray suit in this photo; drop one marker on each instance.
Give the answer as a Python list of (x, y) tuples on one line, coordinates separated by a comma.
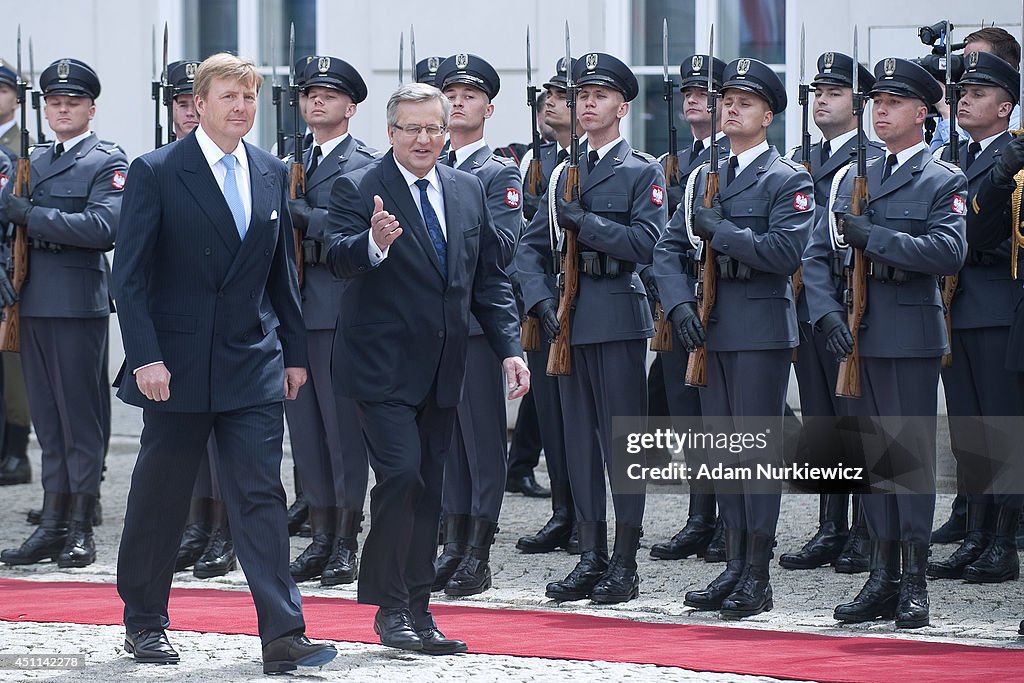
[(71, 219), (327, 445), (400, 345), (214, 342)]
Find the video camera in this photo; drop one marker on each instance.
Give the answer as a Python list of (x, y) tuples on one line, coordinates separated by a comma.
[(935, 62)]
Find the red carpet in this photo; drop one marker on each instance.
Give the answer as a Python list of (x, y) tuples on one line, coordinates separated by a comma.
[(553, 635)]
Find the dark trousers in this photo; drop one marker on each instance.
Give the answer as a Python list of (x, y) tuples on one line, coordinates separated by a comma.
[(207, 483), (407, 446), (524, 451), (607, 380), (746, 384), (327, 443), (249, 462), (548, 401), (475, 471), (64, 362)]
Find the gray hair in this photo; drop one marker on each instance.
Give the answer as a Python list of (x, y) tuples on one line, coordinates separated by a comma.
[(417, 92)]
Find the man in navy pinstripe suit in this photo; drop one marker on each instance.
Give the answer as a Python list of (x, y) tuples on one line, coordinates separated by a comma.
[(214, 341)]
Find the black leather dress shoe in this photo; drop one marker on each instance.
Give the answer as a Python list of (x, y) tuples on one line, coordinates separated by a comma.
[(528, 486), (150, 647), (434, 643), (290, 652), (394, 626), (15, 470)]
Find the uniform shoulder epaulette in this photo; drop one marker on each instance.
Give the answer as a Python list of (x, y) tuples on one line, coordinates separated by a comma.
[(368, 151), (644, 156), (952, 168), (795, 165), (108, 147), (792, 153), (505, 161)]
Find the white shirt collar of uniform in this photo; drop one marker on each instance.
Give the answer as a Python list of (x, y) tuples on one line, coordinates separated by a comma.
[(70, 144), (706, 142), (984, 143), (607, 148), (411, 178), (841, 139), (328, 146), (907, 154), (4, 127), (466, 151), (214, 154), (745, 157)]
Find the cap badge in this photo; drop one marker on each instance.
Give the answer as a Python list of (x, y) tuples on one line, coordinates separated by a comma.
[(461, 61), (591, 61), (190, 70), (743, 67), (889, 66), (63, 69), (433, 63), (323, 64), (696, 62), (562, 65), (972, 60), (830, 59)]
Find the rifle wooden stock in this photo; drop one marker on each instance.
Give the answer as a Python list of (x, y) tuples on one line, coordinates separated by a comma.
[(798, 288), (848, 382), (697, 365), (529, 336), (662, 340), (949, 284), (297, 182), (671, 165), (560, 354), (535, 177), (10, 327)]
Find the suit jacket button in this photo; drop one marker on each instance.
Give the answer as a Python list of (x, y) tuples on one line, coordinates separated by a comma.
[(440, 334), (220, 295), (906, 212), (252, 293), (362, 268), (206, 251)]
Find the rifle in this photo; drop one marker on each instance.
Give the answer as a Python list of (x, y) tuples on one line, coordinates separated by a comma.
[(10, 328), (275, 95), (848, 382), (297, 177), (157, 96), (401, 59), (168, 94), (412, 52), (950, 282), (707, 284), (560, 354), (803, 98), (530, 337), (36, 95), (662, 340)]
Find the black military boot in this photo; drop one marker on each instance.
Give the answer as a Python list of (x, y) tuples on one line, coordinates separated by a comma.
[(716, 551), (912, 609), (473, 575), (15, 468), (343, 565), (47, 541), (574, 538), (195, 536), (555, 534), (79, 548), (298, 512), (999, 561), (855, 557), (724, 584), (695, 535), (827, 543), (620, 582), (593, 563), (311, 562), (454, 535), (753, 592), (979, 535), (219, 557), (955, 528), (881, 592)]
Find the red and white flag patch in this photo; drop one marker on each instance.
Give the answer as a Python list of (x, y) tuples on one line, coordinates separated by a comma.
[(801, 202), (512, 198), (117, 182), (959, 205), (657, 195), (3, 181)]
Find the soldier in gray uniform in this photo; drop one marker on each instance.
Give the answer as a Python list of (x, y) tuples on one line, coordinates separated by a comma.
[(759, 225), (426, 70), (618, 218), (976, 383), (327, 443), (701, 535), (836, 541), (913, 231), (71, 217), (475, 469)]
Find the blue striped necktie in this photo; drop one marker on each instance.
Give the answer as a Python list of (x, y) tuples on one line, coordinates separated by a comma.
[(232, 195), (433, 226)]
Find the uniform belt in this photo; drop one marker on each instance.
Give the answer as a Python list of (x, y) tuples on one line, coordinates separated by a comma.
[(54, 247), (886, 273), (731, 269), (982, 259), (597, 264), (314, 252)]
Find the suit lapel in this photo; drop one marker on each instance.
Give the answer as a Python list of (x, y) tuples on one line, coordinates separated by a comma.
[(748, 176), (476, 159), (986, 159), (67, 159), (399, 202), (456, 242), (262, 194), (199, 181), (904, 174), (605, 168), (839, 157), (329, 165)]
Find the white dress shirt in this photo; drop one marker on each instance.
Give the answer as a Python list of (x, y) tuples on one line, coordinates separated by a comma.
[(434, 195), (214, 155), (746, 157), (463, 153)]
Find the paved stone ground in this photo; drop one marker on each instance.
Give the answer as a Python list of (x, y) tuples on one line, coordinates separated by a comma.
[(963, 613)]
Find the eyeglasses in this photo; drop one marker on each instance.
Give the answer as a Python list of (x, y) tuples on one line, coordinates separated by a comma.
[(413, 130)]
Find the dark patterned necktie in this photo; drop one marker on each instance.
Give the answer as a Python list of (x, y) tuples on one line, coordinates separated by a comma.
[(433, 225)]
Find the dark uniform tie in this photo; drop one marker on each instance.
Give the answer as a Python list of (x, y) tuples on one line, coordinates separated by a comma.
[(451, 158), (730, 174), (973, 150), (58, 150), (698, 147), (314, 160), (826, 151), (433, 225), (890, 163), (307, 140), (563, 154), (592, 160)]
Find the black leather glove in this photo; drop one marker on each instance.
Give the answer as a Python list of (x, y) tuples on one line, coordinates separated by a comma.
[(686, 323), (833, 326), (857, 230), (531, 204), (570, 214), (301, 212), (675, 196), (18, 209), (650, 283), (706, 221), (1011, 161), (547, 311), (7, 294)]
